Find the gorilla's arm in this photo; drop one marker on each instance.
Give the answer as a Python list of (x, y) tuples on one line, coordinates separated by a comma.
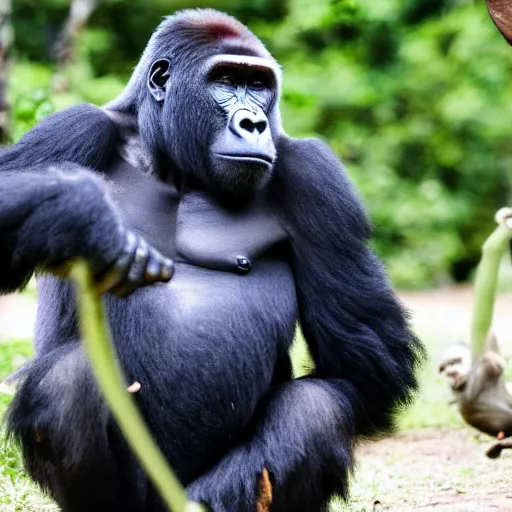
[(46, 218), (84, 135), (49, 218), (355, 326), (52, 210), (364, 352)]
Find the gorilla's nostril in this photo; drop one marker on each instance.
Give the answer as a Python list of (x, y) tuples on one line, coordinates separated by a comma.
[(261, 126), (247, 124)]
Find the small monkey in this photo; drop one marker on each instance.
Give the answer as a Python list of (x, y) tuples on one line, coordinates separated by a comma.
[(480, 391)]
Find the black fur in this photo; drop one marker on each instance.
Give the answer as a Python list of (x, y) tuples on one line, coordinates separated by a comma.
[(84, 135), (348, 311), (211, 348), (51, 217)]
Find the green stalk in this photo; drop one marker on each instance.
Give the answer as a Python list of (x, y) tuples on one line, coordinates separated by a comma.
[(485, 287), (109, 376)]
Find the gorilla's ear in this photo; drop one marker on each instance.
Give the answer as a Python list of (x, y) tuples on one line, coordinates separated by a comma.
[(158, 77)]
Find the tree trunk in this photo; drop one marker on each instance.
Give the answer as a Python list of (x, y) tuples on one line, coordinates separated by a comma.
[(6, 38), (79, 13)]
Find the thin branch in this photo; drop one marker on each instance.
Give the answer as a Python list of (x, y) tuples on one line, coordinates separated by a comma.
[(486, 280), (109, 376)]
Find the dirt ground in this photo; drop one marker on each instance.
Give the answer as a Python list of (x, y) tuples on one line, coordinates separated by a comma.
[(433, 469), (420, 470)]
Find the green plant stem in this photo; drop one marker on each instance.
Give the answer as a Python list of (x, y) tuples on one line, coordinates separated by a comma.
[(109, 376), (485, 287)]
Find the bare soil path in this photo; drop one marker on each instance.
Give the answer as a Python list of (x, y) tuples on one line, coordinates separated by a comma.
[(442, 470)]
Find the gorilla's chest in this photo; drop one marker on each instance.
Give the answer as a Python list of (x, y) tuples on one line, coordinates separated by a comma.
[(210, 236), (193, 228)]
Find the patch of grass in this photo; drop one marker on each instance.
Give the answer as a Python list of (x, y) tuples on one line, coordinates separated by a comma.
[(14, 354), (17, 492)]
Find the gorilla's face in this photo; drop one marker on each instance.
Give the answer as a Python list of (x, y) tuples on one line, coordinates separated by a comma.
[(219, 123), (242, 152)]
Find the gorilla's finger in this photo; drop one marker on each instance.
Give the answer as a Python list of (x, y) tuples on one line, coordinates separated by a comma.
[(154, 266), (152, 274), (167, 270), (116, 273), (137, 270), (124, 262)]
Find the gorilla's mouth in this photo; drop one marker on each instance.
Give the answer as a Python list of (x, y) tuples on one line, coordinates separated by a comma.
[(257, 159)]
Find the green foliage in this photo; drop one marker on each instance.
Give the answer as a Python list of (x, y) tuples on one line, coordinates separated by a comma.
[(29, 94), (12, 356), (17, 492), (412, 95)]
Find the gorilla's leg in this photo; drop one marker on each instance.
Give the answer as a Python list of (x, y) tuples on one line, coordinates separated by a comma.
[(70, 445), (303, 437)]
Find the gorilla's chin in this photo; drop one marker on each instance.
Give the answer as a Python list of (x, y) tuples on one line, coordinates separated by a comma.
[(240, 176)]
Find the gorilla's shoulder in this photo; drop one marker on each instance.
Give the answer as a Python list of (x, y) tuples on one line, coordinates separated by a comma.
[(83, 134), (305, 155)]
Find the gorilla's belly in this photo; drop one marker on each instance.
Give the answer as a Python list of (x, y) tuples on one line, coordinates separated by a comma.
[(208, 324), (207, 345)]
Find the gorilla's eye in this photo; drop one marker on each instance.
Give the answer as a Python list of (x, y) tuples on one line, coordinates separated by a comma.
[(259, 81), (257, 85), (227, 80)]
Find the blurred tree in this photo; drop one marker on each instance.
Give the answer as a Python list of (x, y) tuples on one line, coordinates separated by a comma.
[(79, 14), (412, 94), (6, 37)]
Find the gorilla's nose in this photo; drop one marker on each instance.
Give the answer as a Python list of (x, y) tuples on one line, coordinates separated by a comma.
[(246, 123)]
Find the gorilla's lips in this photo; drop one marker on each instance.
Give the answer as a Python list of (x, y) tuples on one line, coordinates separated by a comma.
[(248, 158)]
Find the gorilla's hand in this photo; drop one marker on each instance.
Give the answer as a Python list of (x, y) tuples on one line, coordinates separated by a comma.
[(137, 265), (52, 217)]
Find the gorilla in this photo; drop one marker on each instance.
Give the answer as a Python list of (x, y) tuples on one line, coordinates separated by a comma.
[(212, 235)]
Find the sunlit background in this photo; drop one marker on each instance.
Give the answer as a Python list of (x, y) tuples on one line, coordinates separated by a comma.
[(414, 95)]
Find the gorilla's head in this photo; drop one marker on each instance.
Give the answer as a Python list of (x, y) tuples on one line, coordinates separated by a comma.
[(206, 95)]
